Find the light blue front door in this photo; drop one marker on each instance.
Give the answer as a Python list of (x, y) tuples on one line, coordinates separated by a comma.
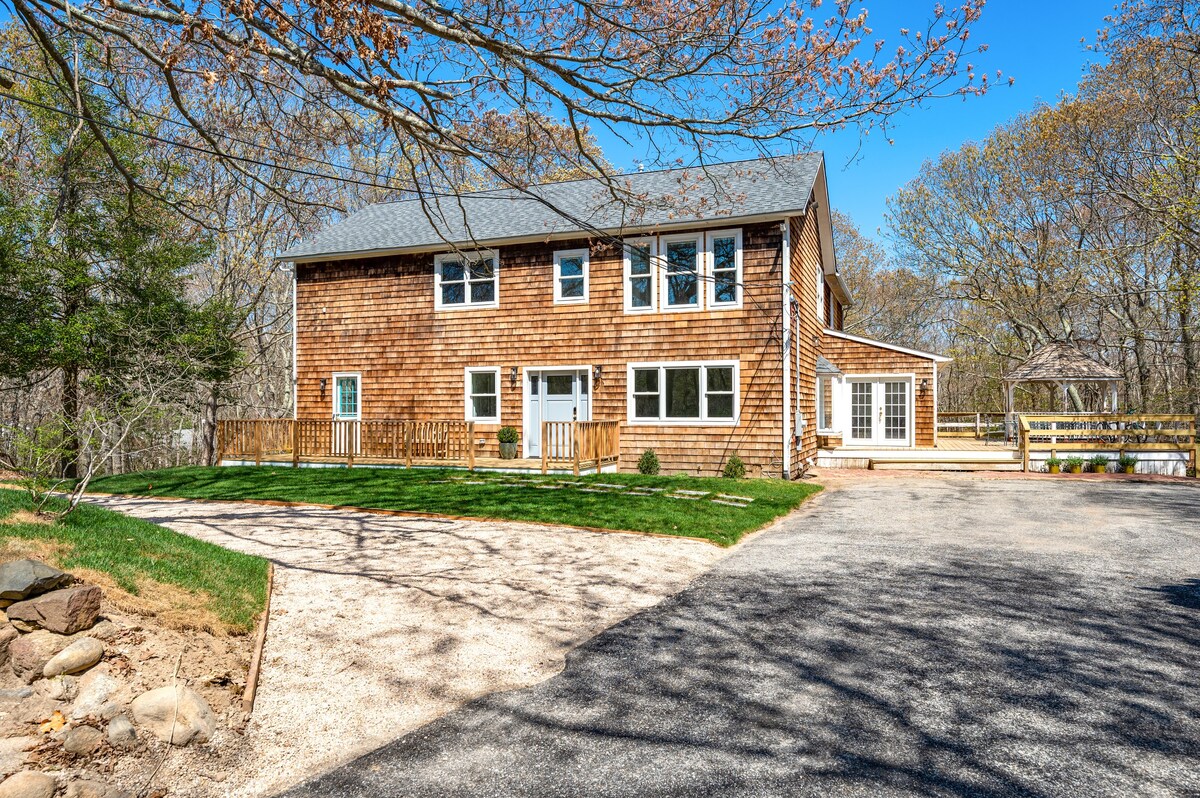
[(555, 396)]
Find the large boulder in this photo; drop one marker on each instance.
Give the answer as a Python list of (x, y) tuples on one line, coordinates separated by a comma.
[(65, 611), (28, 784), (29, 653), (21, 579), (177, 715), (75, 658)]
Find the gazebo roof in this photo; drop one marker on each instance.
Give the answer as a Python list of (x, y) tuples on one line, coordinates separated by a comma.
[(1061, 362)]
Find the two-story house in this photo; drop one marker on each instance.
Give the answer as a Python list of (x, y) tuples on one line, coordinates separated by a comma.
[(701, 308)]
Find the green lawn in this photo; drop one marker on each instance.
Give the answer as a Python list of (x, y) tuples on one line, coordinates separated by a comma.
[(136, 554), (497, 495)]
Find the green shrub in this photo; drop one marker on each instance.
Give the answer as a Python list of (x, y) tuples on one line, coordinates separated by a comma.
[(1073, 462), (648, 463), (1099, 464), (508, 435), (1127, 461), (734, 468)]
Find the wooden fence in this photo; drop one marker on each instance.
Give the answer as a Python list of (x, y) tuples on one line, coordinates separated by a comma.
[(580, 444), (577, 444), (1107, 432), (980, 426)]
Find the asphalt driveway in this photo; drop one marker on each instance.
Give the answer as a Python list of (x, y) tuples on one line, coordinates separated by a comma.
[(897, 637)]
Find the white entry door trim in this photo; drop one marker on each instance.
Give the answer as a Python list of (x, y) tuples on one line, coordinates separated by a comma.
[(534, 403), (869, 405)]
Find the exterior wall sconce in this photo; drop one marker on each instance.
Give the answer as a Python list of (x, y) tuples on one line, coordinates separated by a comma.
[(322, 386), (597, 373), (512, 376), (924, 384)]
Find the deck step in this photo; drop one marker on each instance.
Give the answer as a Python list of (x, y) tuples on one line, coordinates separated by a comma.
[(918, 464)]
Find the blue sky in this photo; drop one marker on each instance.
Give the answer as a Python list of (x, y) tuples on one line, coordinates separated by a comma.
[(1037, 42)]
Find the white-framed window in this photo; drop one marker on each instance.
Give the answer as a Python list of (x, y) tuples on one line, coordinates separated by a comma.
[(481, 392), (570, 276), (724, 278), (684, 393), (466, 280), (682, 263), (821, 314), (347, 395), (825, 404), (641, 274)]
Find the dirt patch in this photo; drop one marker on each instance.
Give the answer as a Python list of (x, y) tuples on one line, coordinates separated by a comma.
[(47, 551), (170, 606), (27, 517)]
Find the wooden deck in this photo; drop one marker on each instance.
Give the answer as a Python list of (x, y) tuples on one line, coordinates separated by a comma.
[(957, 454), (520, 465)]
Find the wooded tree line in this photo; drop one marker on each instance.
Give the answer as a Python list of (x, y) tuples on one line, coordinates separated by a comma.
[(1077, 221), (154, 157)]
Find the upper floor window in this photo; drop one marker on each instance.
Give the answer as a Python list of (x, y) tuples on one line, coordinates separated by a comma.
[(683, 256), (570, 276), (466, 280), (822, 308), (725, 279), (641, 274)]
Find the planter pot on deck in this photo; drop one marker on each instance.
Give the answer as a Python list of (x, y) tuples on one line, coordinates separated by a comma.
[(508, 451), (1130, 469), (1077, 469), (1054, 469)]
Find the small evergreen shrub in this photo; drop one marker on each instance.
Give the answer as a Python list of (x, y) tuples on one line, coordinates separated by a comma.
[(1099, 464), (648, 463), (734, 468), (1074, 464), (1126, 462), (508, 435)]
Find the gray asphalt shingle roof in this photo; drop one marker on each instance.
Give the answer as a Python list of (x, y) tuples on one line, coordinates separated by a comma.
[(1061, 361), (671, 197)]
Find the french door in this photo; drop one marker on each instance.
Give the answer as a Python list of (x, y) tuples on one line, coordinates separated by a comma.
[(880, 412)]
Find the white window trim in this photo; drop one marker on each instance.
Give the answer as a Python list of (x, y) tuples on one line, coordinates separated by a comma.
[(468, 407), (662, 389), (664, 283), (710, 279), (570, 253), (834, 393), (821, 289), (627, 267), (358, 389), (467, 258)]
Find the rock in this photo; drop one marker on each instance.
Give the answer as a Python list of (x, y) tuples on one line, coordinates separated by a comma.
[(79, 656), (105, 630), (95, 789), (60, 688), (36, 709), (15, 693), (29, 653), (121, 733), (13, 751), (193, 720), (21, 579), (96, 689), (28, 784), (8, 633), (65, 611), (82, 740)]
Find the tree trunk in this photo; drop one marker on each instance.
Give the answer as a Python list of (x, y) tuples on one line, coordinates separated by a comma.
[(70, 418), (210, 426)]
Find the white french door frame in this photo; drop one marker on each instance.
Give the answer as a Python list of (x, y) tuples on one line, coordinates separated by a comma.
[(530, 435), (342, 441), (844, 405)]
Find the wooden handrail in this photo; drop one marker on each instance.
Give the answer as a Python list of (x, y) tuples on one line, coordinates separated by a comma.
[(1099, 432)]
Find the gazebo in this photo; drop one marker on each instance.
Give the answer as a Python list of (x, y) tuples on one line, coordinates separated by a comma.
[(1063, 365)]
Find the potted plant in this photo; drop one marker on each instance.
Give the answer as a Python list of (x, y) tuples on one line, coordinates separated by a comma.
[(1099, 464), (508, 437), (1053, 465), (1128, 463), (1074, 464)]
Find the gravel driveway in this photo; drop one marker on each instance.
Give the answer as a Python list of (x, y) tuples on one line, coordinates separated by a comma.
[(380, 624), (950, 636)]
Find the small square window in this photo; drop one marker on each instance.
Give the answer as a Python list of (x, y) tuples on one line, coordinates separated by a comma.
[(483, 395), (570, 277)]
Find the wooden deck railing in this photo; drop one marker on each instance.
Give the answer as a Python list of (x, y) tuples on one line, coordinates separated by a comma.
[(387, 440), (581, 444), (577, 444), (980, 426), (1119, 432)]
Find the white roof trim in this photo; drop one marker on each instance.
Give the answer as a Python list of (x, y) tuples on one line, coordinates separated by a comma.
[(892, 347)]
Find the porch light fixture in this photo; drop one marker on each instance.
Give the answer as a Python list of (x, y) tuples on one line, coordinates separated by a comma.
[(512, 375), (597, 373), (322, 385), (924, 383)]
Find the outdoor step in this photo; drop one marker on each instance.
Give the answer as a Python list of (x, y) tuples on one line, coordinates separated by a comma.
[(944, 465)]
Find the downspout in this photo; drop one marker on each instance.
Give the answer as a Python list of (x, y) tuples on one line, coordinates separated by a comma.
[(295, 362), (786, 344)]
